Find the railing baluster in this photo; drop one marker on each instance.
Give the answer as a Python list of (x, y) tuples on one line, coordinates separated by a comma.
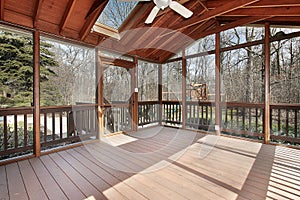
[(25, 130), (243, 118), (237, 118), (5, 133), (16, 131), (279, 121), (45, 127), (287, 123), (53, 126), (256, 119), (231, 117), (296, 123), (60, 125)]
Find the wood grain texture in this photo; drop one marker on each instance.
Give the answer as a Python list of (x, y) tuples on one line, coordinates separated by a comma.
[(153, 163)]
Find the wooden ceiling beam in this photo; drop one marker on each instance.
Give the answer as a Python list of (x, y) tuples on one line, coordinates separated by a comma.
[(228, 7), (277, 11), (138, 13), (37, 12), (67, 14), (91, 17), (240, 22), (117, 62), (2, 9), (199, 28), (203, 5), (128, 37), (273, 3), (200, 33)]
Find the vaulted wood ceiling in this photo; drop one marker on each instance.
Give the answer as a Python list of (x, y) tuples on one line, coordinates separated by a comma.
[(168, 34)]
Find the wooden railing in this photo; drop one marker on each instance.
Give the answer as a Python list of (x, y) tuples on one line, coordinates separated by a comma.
[(60, 125), (16, 132), (63, 125), (200, 115), (67, 124), (117, 117), (243, 119), (148, 112), (285, 123), (172, 113)]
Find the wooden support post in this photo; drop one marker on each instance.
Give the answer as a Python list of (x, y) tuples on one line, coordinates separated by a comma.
[(99, 96), (160, 106), (134, 89), (36, 94), (218, 85), (267, 84), (183, 110)]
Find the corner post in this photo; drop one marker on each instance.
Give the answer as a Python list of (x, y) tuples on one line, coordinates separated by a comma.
[(218, 85), (267, 84), (36, 94), (134, 86), (183, 89), (99, 95), (160, 106)]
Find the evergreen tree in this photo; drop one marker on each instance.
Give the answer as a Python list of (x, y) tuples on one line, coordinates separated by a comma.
[(16, 69)]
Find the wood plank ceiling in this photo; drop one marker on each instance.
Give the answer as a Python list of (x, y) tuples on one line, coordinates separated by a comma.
[(167, 35)]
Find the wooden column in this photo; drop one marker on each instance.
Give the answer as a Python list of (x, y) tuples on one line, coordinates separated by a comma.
[(99, 95), (218, 85), (36, 94), (160, 106), (134, 89), (267, 84), (183, 89)]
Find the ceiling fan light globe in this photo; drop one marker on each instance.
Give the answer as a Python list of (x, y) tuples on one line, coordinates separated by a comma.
[(162, 4)]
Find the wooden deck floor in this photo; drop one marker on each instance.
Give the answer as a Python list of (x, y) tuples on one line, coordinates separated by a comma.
[(158, 163)]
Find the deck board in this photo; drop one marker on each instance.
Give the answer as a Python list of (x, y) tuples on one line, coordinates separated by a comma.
[(51, 187), (15, 183), (3, 183), (65, 183), (158, 163), (32, 184)]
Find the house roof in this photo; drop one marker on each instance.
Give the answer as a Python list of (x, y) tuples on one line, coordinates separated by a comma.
[(167, 35)]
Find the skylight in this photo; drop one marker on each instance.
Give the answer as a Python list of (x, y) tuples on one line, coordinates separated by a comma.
[(115, 13)]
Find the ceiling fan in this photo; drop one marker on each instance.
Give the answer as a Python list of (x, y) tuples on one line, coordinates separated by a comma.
[(162, 4)]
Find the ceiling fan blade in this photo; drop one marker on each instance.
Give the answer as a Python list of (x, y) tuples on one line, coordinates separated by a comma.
[(180, 9), (152, 15)]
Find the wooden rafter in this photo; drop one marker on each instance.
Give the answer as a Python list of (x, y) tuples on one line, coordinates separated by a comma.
[(203, 31), (228, 7), (2, 9), (138, 13), (91, 17), (277, 11), (96, 6), (202, 4), (132, 37), (37, 12), (200, 27), (243, 21), (272, 3), (67, 15)]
